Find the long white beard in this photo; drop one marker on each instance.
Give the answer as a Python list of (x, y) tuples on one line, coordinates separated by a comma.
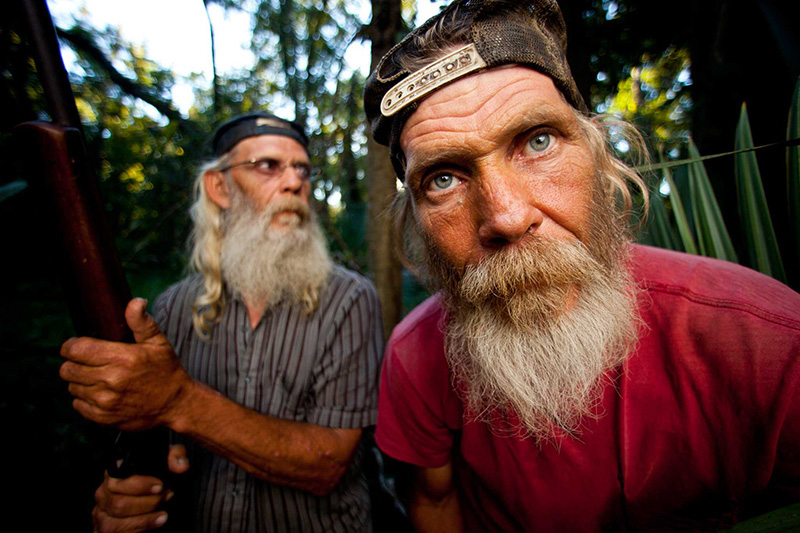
[(533, 332), (267, 265)]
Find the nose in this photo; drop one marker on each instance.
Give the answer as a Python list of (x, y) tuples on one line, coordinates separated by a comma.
[(507, 210), (291, 182)]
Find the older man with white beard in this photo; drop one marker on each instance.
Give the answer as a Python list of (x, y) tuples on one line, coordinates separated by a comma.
[(265, 362), (562, 379)]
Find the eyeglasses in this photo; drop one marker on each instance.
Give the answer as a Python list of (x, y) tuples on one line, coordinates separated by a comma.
[(272, 168)]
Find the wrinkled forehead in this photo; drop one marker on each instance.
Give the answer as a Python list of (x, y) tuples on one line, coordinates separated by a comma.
[(274, 146), (493, 101)]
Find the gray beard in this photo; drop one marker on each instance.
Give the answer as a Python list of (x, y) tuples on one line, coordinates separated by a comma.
[(267, 265), (534, 331)]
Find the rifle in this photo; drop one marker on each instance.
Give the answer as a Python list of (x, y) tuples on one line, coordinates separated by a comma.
[(94, 282)]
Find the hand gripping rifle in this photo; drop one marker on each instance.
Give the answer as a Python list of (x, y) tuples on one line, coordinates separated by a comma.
[(94, 282)]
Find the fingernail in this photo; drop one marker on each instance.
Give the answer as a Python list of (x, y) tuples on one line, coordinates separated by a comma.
[(161, 520), (183, 461), (156, 489), (170, 494)]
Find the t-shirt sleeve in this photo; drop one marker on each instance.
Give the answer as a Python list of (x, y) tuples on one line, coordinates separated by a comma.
[(786, 475), (419, 413), (345, 380)]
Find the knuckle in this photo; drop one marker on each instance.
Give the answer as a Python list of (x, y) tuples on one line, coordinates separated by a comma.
[(64, 370), (107, 400), (68, 346), (78, 345), (113, 484), (117, 506), (113, 381), (122, 360), (100, 495), (81, 406)]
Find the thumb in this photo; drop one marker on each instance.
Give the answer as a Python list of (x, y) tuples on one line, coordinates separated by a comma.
[(177, 459), (144, 327)]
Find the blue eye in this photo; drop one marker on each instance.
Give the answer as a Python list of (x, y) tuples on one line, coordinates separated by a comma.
[(540, 142), (443, 181)]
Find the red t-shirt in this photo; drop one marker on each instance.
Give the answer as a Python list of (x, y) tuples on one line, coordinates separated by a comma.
[(701, 426)]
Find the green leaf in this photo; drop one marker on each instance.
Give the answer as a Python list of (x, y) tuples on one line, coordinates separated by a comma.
[(10, 189), (793, 168), (712, 235), (784, 519), (679, 212), (657, 231), (760, 241)]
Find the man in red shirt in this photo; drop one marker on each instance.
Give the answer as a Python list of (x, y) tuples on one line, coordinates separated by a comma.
[(563, 378)]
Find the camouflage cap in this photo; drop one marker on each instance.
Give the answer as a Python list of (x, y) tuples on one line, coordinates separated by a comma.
[(496, 32)]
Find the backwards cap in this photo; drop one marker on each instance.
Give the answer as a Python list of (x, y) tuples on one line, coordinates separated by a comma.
[(235, 130), (524, 32)]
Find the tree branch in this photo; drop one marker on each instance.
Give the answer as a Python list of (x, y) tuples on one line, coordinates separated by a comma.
[(84, 43)]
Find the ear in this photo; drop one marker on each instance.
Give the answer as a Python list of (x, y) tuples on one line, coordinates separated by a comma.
[(217, 188)]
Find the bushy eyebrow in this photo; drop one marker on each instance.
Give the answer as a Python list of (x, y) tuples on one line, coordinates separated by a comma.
[(278, 156), (560, 118), (430, 161), (544, 115)]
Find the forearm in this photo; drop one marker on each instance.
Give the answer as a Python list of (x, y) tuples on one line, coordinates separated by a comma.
[(295, 454), (434, 505), (436, 515)]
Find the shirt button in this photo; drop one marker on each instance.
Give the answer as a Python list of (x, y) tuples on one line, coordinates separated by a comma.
[(248, 379), (235, 493)]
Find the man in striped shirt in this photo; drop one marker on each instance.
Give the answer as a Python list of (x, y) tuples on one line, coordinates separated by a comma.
[(267, 359)]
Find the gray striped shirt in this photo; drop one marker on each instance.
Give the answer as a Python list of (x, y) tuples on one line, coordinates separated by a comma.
[(321, 369)]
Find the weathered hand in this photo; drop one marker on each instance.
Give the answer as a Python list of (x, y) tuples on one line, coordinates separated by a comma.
[(131, 504), (130, 386)]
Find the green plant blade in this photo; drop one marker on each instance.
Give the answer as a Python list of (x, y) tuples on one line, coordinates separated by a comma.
[(793, 170), (760, 241), (657, 231), (713, 239), (10, 189), (684, 230), (780, 520)]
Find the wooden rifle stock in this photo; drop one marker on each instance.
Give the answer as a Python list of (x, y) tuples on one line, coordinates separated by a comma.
[(54, 161), (53, 156)]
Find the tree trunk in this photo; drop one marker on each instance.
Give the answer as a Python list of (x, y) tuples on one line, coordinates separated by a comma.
[(215, 81), (383, 31)]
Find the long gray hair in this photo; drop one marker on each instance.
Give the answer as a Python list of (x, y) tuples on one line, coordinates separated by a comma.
[(206, 243)]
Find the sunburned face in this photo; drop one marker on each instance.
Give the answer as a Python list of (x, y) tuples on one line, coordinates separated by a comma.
[(528, 251), (262, 190), (495, 158)]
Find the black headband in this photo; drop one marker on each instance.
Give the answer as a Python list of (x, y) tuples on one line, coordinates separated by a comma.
[(237, 129)]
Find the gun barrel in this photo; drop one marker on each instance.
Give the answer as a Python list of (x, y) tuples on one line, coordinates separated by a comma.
[(49, 65), (54, 159)]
